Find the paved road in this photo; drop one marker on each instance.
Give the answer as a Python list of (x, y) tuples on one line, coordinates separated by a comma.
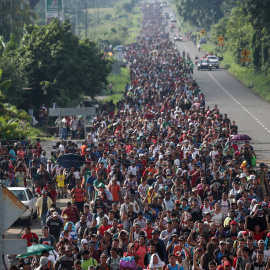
[(248, 110)]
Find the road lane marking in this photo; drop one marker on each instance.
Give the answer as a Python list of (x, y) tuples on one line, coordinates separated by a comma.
[(238, 102), (231, 95)]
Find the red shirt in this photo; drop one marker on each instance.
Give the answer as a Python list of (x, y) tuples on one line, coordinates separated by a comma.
[(148, 232), (79, 194), (53, 193), (103, 228), (28, 237), (71, 214)]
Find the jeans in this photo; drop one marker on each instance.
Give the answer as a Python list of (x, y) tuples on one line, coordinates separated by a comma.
[(43, 220), (74, 135), (63, 134), (91, 195), (33, 185)]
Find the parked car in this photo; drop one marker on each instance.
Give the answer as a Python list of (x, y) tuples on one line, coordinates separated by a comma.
[(29, 200), (173, 20), (172, 25), (119, 48), (203, 40), (204, 64)]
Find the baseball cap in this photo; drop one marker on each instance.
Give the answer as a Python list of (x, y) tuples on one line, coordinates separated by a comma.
[(55, 214), (43, 261), (264, 204), (179, 253), (239, 201), (261, 242), (44, 191), (227, 263), (177, 202), (84, 241), (148, 221), (154, 141), (222, 243), (242, 175), (252, 177), (233, 222), (220, 267)]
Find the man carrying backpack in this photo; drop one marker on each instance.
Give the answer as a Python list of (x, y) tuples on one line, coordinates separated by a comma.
[(81, 226)]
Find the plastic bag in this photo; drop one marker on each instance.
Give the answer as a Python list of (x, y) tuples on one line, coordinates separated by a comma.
[(253, 161), (128, 262)]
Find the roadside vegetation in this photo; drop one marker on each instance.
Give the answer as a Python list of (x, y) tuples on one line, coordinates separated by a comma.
[(245, 25)]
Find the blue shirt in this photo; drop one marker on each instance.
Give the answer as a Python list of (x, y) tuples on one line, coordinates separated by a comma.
[(90, 181)]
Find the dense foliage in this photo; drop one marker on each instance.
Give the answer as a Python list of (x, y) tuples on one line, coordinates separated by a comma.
[(243, 23), (55, 64)]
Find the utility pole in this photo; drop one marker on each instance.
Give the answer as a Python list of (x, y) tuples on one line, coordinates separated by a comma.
[(58, 9), (86, 13), (11, 17)]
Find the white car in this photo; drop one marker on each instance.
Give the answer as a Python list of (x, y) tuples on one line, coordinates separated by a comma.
[(213, 59), (27, 198)]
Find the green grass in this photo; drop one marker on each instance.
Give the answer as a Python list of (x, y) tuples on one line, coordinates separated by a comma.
[(257, 82), (121, 82)]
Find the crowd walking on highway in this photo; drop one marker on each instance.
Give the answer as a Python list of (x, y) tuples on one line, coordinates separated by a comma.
[(166, 182)]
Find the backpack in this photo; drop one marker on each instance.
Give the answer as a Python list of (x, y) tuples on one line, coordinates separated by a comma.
[(83, 226)]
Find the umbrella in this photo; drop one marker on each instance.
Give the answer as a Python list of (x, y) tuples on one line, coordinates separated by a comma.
[(35, 250), (69, 160), (241, 137)]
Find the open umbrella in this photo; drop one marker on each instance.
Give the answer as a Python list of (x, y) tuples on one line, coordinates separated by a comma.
[(69, 160), (35, 250), (241, 137)]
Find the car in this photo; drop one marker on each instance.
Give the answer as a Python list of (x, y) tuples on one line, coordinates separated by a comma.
[(204, 64), (29, 200), (172, 25), (173, 20), (178, 37), (213, 59), (203, 40), (172, 15), (119, 48)]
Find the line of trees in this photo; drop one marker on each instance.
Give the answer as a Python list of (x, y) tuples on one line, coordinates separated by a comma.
[(243, 23)]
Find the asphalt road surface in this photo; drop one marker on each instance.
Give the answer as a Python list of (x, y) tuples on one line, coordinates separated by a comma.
[(220, 88)]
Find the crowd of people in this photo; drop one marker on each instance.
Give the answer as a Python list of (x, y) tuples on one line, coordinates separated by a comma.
[(163, 185)]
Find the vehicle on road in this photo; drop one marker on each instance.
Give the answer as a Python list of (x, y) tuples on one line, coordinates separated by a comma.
[(166, 15), (204, 64), (172, 15), (203, 40), (213, 59), (178, 37), (172, 25), (173, 20), (29, 200)]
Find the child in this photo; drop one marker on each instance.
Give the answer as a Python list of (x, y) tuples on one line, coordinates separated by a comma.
[(60, 180)]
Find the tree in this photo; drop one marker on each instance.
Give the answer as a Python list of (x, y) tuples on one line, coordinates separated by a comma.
[(11, 71), (58, 66)]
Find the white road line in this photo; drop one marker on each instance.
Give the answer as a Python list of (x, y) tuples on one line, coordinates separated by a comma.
[(231, 95)]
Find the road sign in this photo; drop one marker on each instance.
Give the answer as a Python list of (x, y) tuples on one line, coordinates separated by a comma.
[(13, 208), (203, 32), (116, 68), (54, 9), (221, 39), (221, 44), (119, 56), (245, 53), (245, 60)]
